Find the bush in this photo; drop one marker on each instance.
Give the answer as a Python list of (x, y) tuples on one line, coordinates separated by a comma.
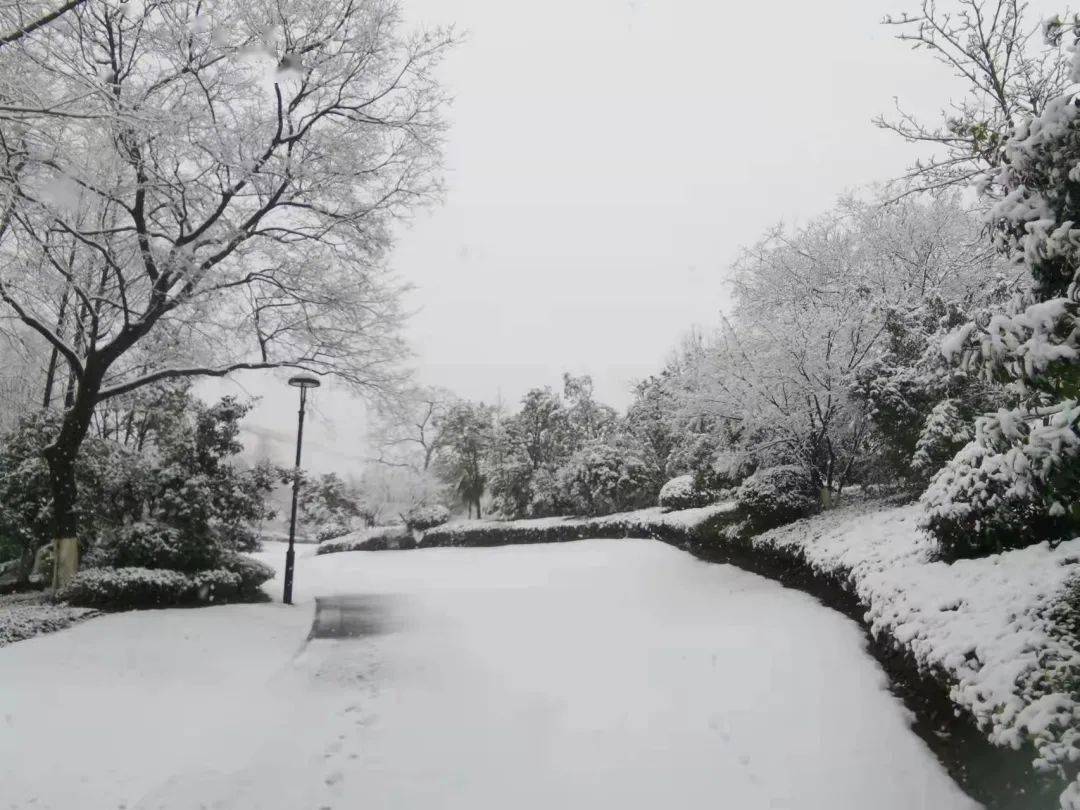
[(1015, 484), (379, 538), (149, 544), (420, 518), (137, 587), (603, 477), (777, 495), (727, 471), (145, 588), (947, 429), (683, 493), (128, 588), (328, 531), (251, 573), (217, 585)]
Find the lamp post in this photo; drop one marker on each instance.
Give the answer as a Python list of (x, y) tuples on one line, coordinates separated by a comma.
[(302, 382)]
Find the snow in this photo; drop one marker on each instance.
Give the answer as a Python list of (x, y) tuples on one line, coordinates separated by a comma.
[(579, 675), (18, 622), (987, 623)]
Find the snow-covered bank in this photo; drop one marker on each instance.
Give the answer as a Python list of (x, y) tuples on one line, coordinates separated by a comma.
[(998, 630), (593, 674)]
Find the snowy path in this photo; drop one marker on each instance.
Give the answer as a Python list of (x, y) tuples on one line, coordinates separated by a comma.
[(587, 675)]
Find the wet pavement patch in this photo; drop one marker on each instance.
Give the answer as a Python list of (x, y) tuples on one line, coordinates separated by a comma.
[(356, 616)]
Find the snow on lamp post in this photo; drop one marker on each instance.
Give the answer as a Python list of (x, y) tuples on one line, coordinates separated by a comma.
[(302, 382)]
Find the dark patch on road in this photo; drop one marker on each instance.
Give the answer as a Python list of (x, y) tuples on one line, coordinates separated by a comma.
[(356, 616)]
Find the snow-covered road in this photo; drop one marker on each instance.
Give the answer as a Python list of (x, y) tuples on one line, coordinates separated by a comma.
[(587, 675)]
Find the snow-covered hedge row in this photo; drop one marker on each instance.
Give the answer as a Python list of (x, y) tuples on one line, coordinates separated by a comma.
[(1003, 631), (147, 587), (653, 522), (378, 538), (135, 587)]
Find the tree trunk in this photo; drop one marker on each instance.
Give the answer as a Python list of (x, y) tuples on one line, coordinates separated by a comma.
[(61, 456), (61, 461), (54, 357)]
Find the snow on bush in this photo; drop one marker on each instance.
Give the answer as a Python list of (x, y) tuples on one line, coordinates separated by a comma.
[(777, 495), (377, 538), (728, 470), (946, 430), (682, 493), (134, 587), (251, 572), (328, 531), (1001, 630), (420, 518), (26, 621), (1014, 484), (652, 522), (150, 544)]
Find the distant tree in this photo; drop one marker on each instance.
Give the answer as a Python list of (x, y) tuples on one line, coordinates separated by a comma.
[(606, 476), (650, 419), (820, 363), (586, 419), (466, 434), (329, 505), (407, 428)]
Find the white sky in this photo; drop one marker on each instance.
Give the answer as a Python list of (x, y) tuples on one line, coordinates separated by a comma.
[(606, 160)]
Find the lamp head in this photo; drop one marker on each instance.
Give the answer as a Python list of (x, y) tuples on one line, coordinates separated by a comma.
[(304, 381)]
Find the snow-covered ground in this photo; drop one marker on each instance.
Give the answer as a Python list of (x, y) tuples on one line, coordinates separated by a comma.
[(987, 624), (581, 675)]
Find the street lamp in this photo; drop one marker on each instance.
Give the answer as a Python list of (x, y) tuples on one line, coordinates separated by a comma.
[(303, 382)]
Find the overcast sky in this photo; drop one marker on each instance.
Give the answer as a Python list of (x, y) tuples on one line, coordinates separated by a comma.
[(605, 162)]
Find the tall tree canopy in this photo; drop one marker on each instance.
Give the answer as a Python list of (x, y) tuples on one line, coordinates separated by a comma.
[(189, 189)]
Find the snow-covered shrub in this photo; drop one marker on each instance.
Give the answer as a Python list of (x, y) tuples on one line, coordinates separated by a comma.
[(420, 518), (149, 544), (134, 587), (328, 531), (605, 477), (1016, 482), (1013, 485), (251, 573), (693, 453), (216, 585), (682, 493), (128, 588), (327, 502), (777, 495), (947, 429), (728, 470), (377, 538)]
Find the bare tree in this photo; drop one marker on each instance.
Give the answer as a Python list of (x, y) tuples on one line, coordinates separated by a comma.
[(1009, 73), (407, 429), (20, 18), (217, 195)]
